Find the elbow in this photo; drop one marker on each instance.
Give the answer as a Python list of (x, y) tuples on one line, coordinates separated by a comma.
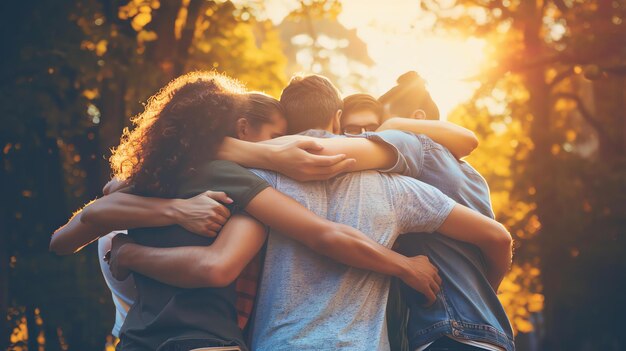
[(216, 274), (471, 143), (57, 247), (502, 238), (89, 215)]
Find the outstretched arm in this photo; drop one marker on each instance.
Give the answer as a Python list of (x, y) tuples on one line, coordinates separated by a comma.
[(217, 265), (203, 214), (305, 158), (491, 237), (339, 242), (460, 141)]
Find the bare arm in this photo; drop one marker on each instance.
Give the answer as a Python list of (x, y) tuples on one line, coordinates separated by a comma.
[(342, 243), (460, 141), (491, 237), (299, 159), (75, 235), (217, 265), (339, 242), (315, 156), (202, 215)]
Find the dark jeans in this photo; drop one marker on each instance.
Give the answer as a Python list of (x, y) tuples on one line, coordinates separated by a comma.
[(447, 344)]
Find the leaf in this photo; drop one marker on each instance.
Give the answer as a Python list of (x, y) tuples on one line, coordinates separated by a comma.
[(141, 20)]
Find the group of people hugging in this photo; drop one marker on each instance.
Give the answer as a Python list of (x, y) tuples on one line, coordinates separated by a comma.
[(236, 221)]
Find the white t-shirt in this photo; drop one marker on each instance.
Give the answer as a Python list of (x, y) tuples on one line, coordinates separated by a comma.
[(122, 292)]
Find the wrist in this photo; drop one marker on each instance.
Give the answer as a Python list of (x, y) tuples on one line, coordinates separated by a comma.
[(124, 255), (270, 155), (402, 268), (173, 212)]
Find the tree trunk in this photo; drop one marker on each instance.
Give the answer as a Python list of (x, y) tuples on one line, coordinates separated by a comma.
[(112, 121), (4, 278), (540, 161)]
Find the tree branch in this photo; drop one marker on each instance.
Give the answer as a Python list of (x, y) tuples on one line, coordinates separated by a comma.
[(561, 76), (586, 114)]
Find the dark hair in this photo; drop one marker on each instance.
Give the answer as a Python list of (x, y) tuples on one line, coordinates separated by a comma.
[(360, 102), (260, 108), (409, 95), (182, 126), (309, 102)]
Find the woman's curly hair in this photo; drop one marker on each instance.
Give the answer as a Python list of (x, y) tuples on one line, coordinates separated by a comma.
[(183, 125)]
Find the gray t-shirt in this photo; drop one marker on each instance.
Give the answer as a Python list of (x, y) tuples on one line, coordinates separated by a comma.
[(309, 302)]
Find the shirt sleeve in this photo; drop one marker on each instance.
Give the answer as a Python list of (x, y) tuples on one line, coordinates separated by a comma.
[(420, 207), (409, 151), (270, 177), (237, 182)]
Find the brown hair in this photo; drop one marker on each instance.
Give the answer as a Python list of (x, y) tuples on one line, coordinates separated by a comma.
[(409, 95), (182, 125), (360, 102), (260, 108), (309, 102)]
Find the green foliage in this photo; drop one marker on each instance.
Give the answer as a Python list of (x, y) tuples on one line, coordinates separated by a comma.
[(74, 71), (551, 113)]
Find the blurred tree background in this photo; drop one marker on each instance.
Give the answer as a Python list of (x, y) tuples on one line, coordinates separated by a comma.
[(550, 110)]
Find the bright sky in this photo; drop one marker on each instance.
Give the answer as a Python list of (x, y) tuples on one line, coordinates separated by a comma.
[(398, 39)]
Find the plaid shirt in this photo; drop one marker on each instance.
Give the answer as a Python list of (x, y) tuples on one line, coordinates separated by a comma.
[(246, 287)]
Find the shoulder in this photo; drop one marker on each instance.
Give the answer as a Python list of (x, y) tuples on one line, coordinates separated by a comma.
[(269, 176), (218, 175)]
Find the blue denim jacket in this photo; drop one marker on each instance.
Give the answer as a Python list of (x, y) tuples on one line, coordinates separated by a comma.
[(466, 307)]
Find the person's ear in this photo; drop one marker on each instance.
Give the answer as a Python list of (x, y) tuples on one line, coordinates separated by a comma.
[(242, 128), (418, 114), (337, 122)]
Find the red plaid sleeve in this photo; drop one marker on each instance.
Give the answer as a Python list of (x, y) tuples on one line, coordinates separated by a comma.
[(246, 287)]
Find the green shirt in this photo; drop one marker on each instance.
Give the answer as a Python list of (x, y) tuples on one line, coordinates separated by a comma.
[(163, 313)]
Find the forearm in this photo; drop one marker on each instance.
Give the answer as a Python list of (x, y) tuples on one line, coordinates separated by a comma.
[(369, 155), (339, 242), (247, 154), (489, 236), (126, 211), (185, 267), (75, 235), (349, 246), (460, 141), (202, 266)]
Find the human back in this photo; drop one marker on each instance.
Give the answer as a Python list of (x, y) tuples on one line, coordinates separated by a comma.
[(308, 302), (467, 308)]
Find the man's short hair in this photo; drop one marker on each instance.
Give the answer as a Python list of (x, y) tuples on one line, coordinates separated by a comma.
[(310, 102), (360, 102), (409, 95)]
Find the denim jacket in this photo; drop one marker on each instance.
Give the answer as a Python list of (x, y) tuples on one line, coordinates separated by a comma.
[(466, 307)]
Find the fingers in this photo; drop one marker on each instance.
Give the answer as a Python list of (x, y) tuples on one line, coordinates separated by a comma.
[(213, 227), (438, 279), (431, 297), (324, 161), (210, 234), (220, 216), (219, 196), (327, 172), (309, 145), (434, 287), (341, 167)]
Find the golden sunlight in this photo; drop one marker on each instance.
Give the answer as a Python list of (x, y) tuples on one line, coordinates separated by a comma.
[(399, 39)]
